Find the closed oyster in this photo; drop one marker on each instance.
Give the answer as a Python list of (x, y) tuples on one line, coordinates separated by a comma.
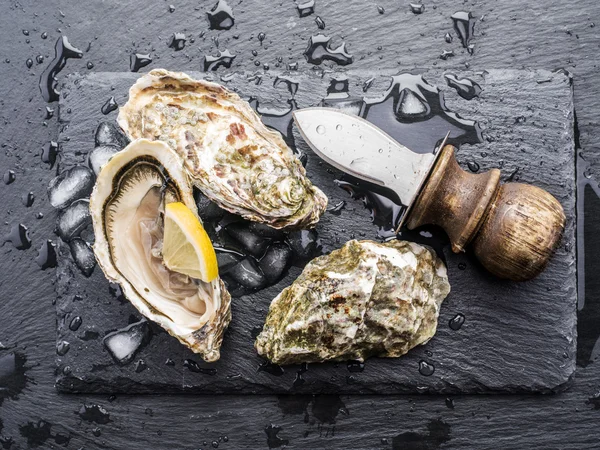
[(127, 207), (365, 299), (230, 155)]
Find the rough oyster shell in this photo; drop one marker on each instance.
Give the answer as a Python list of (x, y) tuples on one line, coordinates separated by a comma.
[(126, 207), (229, 153), (365, 299)]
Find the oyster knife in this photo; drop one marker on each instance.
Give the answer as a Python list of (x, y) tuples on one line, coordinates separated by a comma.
[(513, 228)]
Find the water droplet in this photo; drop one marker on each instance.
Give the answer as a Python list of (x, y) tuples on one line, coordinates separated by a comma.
[(97, 432), (221, 16), (49, 153), (473, 166), (62, 348), (464, 24), (355, 366), (456, 322), (449, 403), (319, 50), (29, 63), (138, 61), (425, 368), (75, 323), (447, 54), (47, 258), (44, 35), (336, 209), (63, 51), (320, 23), (320, 129), (90, 65), (26, 32), (9, 177), (465, 87), (417, 8), (49, 113), (19, 237), (171, 8), (39, 59), (193, 366), (380, 150), (27, 199), (271, 369), (367, 84), (177, 41), (380, 9), (411, 107), (261, 37), (94, 414), (306, 8), (110, 106), (291, 84), (448, 38), (274, 441), (223, 59)]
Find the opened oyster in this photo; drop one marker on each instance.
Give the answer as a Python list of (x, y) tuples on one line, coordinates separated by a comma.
[(231, 156), (365, 299), (127, 207)]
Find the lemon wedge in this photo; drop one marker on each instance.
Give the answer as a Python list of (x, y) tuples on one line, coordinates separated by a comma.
[(187, 248)]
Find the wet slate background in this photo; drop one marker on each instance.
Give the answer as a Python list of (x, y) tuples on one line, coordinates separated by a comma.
[(543, 35), (480, 357)]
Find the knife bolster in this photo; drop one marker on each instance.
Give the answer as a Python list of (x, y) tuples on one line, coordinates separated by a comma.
[(455, 200)]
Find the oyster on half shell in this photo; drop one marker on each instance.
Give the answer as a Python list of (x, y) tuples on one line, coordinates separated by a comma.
[(230, 155), (127, 206), (365, 299)]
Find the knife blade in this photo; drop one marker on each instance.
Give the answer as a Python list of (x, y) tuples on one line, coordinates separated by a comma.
[(359, 148), (513, 228)]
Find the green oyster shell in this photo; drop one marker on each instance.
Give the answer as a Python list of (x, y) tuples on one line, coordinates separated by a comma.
[(365, 299)]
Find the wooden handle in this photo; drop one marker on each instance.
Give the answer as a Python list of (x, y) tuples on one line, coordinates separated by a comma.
[(514, 228)]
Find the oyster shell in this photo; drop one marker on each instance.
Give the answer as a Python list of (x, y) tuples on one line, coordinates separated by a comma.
[(126, 207), (231, 156), (365, 299)]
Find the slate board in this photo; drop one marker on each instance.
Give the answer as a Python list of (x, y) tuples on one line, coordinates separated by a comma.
[(517, 337)]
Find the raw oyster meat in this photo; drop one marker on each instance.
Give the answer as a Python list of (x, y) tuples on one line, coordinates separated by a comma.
[(230, 155), (127, 206), (365, 299)]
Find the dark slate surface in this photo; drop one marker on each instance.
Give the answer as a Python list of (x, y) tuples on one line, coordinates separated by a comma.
[(526, 118), (543, 34)]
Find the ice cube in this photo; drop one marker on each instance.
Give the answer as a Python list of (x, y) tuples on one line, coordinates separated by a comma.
[(83, 255), (248, 274), (226, 259), (70, 185), (207, 210), (304, 243), (100, 155), (266, 231), (109, 133), (125, 343), (275, 261), (252, 243), (72, 220)]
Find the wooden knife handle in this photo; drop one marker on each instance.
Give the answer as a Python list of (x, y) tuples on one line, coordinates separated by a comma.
[(514, 228)]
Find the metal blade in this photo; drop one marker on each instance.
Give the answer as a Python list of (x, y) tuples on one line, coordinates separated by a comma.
[(359, 148)]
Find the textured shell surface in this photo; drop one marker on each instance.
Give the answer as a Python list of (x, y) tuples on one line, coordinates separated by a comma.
[(230, 155), (364, 299), (127, 206)]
